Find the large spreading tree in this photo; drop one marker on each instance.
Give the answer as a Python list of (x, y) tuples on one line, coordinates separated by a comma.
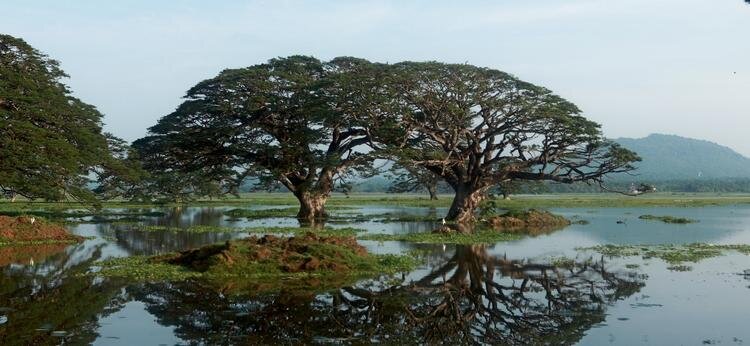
[(49, 140), (477, 128), (294, 121), (407, 177)]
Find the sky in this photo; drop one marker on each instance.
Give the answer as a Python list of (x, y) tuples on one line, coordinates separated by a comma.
[(635, 66)]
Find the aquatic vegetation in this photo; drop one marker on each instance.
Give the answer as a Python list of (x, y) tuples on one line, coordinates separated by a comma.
[(481, 236), (672, 254), (519, 202), (447, 304), (30, 230), (388, 217), (527, 219), (267, 260), (680, 268), (562, 262), (667, 219), (191, 229), (252, 214), (324, 231)]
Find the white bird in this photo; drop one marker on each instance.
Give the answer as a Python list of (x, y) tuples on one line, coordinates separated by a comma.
[(443, 221), (443, 247), (31, 261), (32, 220)]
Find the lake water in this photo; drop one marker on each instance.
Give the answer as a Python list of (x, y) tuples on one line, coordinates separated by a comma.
[(516, 292)]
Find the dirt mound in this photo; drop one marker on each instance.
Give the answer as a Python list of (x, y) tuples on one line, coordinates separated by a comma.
[(306, 253), (528, 220), (32, 229)]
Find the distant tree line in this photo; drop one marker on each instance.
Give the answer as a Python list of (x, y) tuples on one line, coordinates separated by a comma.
[(306, 125), (716, 185)]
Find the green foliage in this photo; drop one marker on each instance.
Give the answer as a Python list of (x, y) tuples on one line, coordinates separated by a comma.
[(292, 121), (667, 219), (50, 141), (477, 128), (406, 177)]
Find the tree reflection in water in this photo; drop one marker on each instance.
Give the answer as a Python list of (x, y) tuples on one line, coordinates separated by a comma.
[(472, 297), (50, 297)]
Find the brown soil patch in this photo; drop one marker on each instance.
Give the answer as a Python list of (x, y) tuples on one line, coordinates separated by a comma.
[(306, 253), (30, 229)]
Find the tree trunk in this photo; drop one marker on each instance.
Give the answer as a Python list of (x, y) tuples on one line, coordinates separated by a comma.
[(311, 207), (464, 203), (432, 189)]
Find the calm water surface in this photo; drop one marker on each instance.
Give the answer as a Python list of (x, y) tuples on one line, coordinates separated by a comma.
[(508, 293)]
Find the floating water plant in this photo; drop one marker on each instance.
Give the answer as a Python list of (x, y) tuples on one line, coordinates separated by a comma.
[(484, 236), (672, 254), (667, 219)]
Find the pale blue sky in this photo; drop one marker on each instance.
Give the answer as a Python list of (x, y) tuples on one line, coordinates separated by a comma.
[(636, 66)]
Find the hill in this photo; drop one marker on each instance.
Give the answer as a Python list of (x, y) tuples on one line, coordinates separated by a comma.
[(670, 157)]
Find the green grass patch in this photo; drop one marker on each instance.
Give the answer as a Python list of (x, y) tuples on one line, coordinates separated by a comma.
[(357, 199), (252, 214), (389, 217), (266, 263), (668, 219), (326, 231), (191, 229)]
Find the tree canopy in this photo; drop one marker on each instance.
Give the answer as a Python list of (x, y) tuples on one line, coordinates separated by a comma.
[(293, 121), (307, 124), (407, 177), (478, 127), (49, 140)]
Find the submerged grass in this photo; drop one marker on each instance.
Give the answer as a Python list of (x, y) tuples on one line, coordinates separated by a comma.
[(668, 219), (672, 254)]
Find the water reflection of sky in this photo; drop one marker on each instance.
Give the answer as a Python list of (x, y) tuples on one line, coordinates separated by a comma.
[(707, 304)]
